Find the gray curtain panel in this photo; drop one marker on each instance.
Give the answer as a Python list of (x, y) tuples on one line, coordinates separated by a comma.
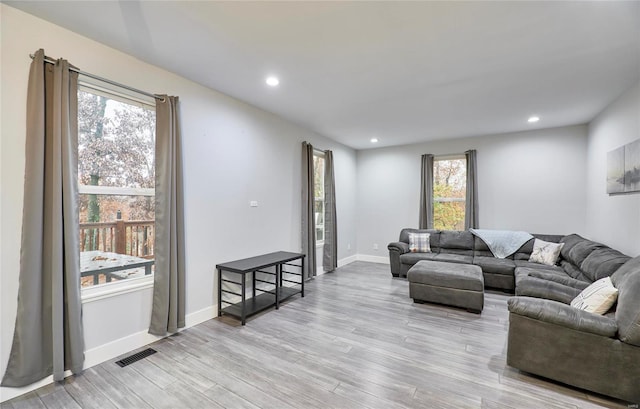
[(308, 227), (168, 310), (471, 202), (426, 192), (48, 336), (330, 250)]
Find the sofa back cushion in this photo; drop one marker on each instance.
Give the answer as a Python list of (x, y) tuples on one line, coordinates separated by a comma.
[(480, 248), (581, 251), (456, 242), (570, 241), (627, 281), (434, 237), (602, 263), (525, 251)]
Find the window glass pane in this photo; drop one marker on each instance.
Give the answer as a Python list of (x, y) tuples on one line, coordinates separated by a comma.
[(319, 219), (318, 175), (122, 235), (116, 142), (116, 148), (449, 192)]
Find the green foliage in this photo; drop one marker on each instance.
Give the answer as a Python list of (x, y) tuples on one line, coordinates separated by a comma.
[(448, 215), (450, 185)]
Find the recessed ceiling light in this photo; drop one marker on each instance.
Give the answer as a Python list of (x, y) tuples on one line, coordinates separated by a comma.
[(272, 81), (374, 140), (533, 119)]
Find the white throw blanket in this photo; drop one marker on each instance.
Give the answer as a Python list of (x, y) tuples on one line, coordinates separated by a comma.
[(502, 243)]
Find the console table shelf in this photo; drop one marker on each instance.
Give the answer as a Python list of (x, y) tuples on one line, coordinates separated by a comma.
[(259, 303), (268, 297)]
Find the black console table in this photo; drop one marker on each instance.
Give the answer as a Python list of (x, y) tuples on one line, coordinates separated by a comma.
[(267, 298)]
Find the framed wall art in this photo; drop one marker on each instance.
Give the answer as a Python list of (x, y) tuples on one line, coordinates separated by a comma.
[(623, 169)]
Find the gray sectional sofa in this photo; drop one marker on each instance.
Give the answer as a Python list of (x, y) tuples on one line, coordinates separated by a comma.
[(547, 336), (464, 247)]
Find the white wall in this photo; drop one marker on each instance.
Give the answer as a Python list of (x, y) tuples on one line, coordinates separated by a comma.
[(233, 153), (613, 220), (532, 181)]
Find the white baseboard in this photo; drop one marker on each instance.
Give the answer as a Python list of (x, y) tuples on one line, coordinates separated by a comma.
[(200, 316), (363, 257), (102, 353), (121, 346), (341, 262), (373, 259), (347, 260)]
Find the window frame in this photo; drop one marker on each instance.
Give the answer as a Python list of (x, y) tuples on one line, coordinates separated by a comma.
[(111, 91)]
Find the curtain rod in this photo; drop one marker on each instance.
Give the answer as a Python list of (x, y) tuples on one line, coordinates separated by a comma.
[(108, 81)]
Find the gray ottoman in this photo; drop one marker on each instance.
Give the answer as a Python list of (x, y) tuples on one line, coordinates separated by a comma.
[(458, 285)]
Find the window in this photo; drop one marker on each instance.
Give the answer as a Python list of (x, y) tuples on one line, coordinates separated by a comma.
[(449, 192), (116, 183), (318, 193)]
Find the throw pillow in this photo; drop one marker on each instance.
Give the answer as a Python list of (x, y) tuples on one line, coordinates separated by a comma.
[(545, 252), (597, 298), (419, 243)]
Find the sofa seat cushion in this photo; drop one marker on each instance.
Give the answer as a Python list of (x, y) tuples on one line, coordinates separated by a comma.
[(560, 278), (573, 271), (495, 265), (536, 266), (550, 290), (555, 274), (413, 258), (454, 258), (530, 285)]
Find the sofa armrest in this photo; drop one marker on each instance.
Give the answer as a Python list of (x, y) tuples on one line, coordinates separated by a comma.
[(399, 246), (561, 279), (395, 250), (554, 312)]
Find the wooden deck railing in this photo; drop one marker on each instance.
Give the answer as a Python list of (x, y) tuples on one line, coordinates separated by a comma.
[(134, 237)]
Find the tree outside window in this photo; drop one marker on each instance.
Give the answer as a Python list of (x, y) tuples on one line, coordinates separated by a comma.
[(449, 193)]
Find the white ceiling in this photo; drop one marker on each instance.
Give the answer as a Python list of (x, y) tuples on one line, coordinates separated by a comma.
[(403, 72)]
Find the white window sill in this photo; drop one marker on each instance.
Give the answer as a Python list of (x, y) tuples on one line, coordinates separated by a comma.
[(102, 291)]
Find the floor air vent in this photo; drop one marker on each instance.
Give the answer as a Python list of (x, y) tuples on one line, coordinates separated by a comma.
[(136, 357)]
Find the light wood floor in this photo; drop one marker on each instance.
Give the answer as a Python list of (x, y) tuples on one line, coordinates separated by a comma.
[(355, 341)]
